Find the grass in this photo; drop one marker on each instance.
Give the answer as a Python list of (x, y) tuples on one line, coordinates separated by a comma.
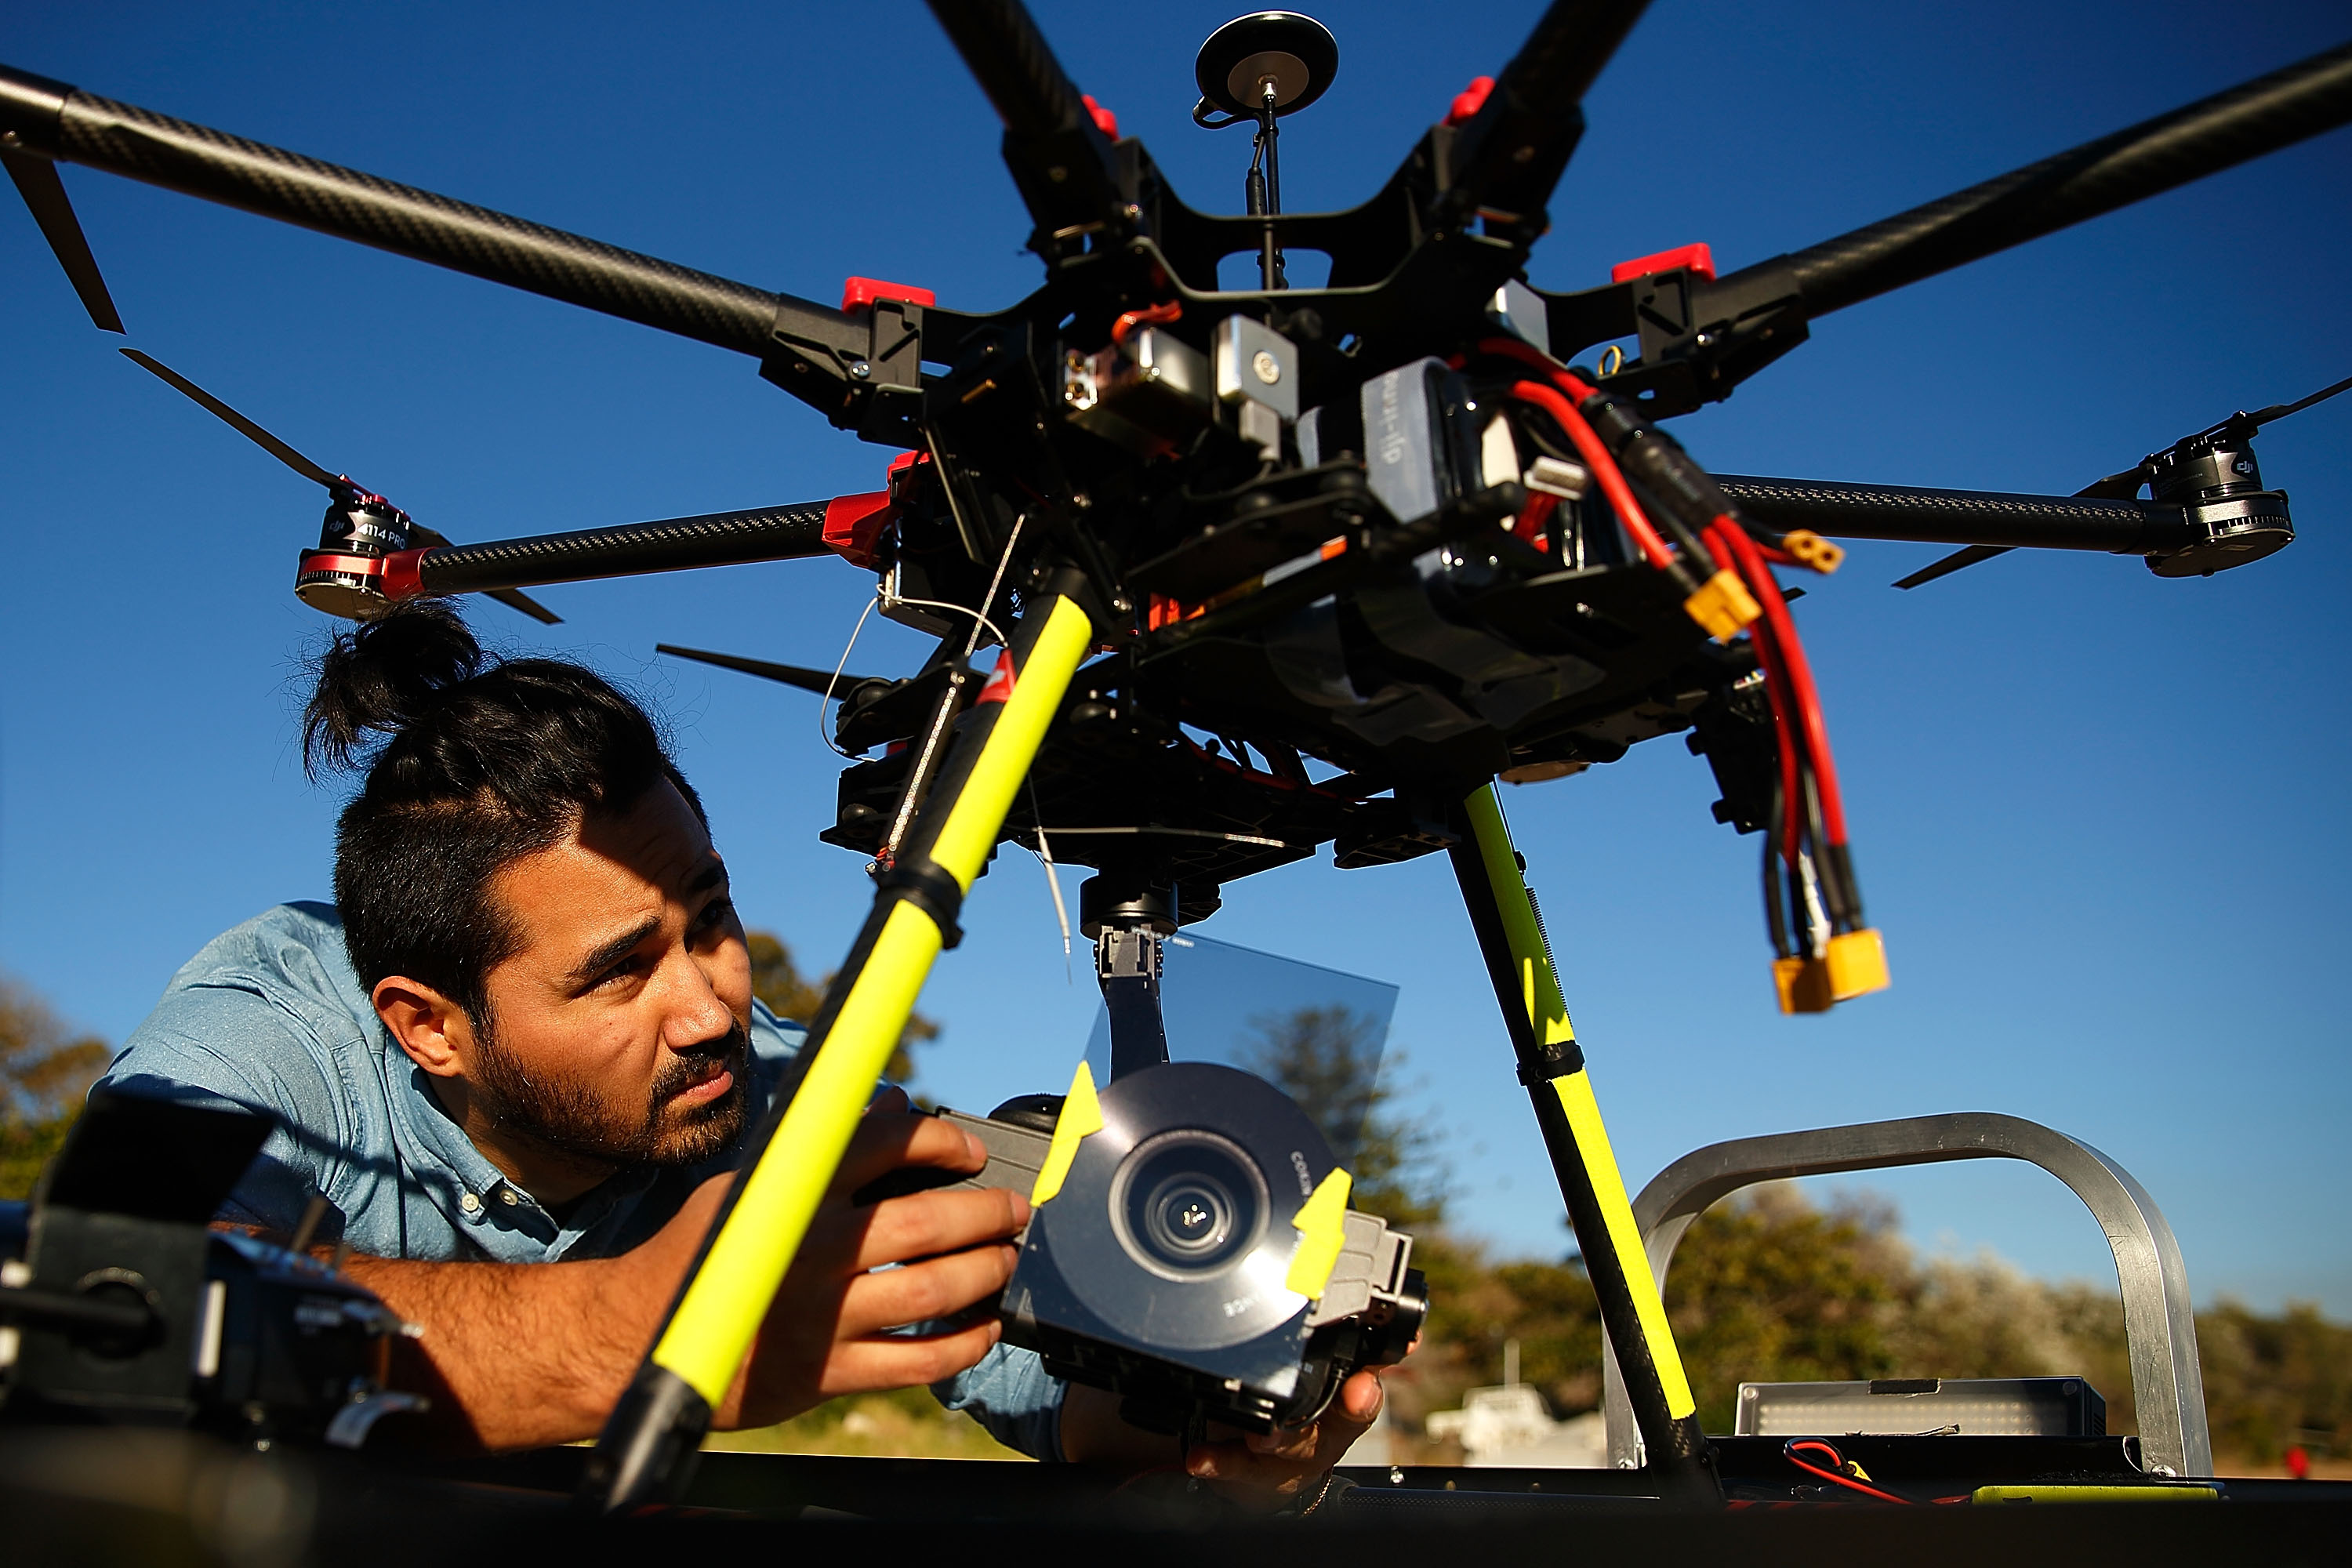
[(906, 1425)]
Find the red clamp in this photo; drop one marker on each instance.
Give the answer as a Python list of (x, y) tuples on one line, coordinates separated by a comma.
[(854, 524), (859, 293), (1470, 100), (1105, 120), (1698, 258)]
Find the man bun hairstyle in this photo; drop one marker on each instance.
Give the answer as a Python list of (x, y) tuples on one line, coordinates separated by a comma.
[(471, 762)]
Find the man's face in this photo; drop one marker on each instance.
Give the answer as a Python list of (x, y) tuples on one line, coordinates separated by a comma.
[(618, 1030)]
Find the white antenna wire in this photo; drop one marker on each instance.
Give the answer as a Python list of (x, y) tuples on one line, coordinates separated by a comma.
[(826, 702), (994, 584), (1044, 853)]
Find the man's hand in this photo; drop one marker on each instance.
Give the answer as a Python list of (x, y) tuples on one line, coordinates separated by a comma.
[(1268, 1468), (825, 1335), (516, 1355), (1253, 1470)]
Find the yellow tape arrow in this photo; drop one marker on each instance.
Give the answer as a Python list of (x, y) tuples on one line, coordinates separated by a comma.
[(1081, 1117), (1322, 1225)]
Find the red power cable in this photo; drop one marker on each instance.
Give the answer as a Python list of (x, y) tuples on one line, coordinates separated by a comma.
[(1789, 1452), (1603, 466), (1784, 706), (1151, 315), (1800, 673)]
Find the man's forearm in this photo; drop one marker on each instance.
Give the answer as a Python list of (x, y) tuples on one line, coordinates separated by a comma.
[(519, 1355)]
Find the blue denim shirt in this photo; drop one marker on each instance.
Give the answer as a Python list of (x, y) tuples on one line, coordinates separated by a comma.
[(272, 1016)]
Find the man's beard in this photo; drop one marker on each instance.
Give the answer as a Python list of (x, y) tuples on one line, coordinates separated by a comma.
[(569, 1115)]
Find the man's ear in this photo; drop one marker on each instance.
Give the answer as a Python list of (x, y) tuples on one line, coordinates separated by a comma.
[(432, 1029)]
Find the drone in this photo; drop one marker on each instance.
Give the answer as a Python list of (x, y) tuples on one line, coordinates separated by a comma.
[(1378, 543)]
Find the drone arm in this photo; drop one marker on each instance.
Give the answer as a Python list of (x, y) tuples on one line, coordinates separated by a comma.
[(2156, 155), (1958, 517), (1701, 336), (61, 122), (1507, 157), (1063, 162), (674, 545)]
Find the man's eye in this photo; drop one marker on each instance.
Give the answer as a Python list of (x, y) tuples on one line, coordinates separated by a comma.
[(715, 913)]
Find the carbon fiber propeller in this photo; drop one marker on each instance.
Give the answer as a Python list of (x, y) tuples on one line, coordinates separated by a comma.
[(337, 484), (38, 181)]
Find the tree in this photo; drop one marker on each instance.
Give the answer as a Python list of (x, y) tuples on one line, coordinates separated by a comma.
[(1768, 1288), (1328, 1060), (777, 981), (45, 1072)]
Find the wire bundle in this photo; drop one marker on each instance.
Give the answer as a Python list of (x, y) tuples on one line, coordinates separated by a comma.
[(1823, 951)]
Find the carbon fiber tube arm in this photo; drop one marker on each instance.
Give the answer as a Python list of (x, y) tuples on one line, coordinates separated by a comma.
[(1958, 517), (1066, 168), (673, 544), (1702, 336), (1509, 155), (62, 122), (2138, 162)]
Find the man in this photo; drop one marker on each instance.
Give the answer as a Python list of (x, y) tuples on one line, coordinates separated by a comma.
[(520, 1052)]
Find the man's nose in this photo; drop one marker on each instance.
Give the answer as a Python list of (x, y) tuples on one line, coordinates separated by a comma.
[(695, 1015)]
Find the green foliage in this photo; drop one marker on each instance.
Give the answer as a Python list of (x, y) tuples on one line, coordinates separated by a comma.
[(1772, 1282), (777, 981), (1768, 1288), (2273, 1383), (1328, 1060), (44, 1074)]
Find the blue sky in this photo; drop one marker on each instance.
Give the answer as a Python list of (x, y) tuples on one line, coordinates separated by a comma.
[(2098, 815)]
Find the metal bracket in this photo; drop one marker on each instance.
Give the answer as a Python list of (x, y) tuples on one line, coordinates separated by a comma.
[(2160, 1321)]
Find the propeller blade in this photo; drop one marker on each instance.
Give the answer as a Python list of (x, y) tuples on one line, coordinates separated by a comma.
[(2277, 411), (816, 680), (37, 183), (516, 599), (238, 422), (1967, 555)]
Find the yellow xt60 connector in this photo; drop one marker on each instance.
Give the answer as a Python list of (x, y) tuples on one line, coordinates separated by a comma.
[(1803, 985), (1722, 607), (1811, 549), (1855, 965)]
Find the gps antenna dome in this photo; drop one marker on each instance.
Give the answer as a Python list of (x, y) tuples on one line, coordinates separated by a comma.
[(1253, 70), (1295, 56)]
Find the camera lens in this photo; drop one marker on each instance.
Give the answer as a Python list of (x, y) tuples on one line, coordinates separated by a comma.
[(1187, 1202)]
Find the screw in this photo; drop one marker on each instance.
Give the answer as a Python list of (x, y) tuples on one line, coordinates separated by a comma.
[(1268, 368), (860, 369)]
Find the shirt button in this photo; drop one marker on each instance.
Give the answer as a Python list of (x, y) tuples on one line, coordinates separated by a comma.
[(471, 1203), (507, 1196)]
